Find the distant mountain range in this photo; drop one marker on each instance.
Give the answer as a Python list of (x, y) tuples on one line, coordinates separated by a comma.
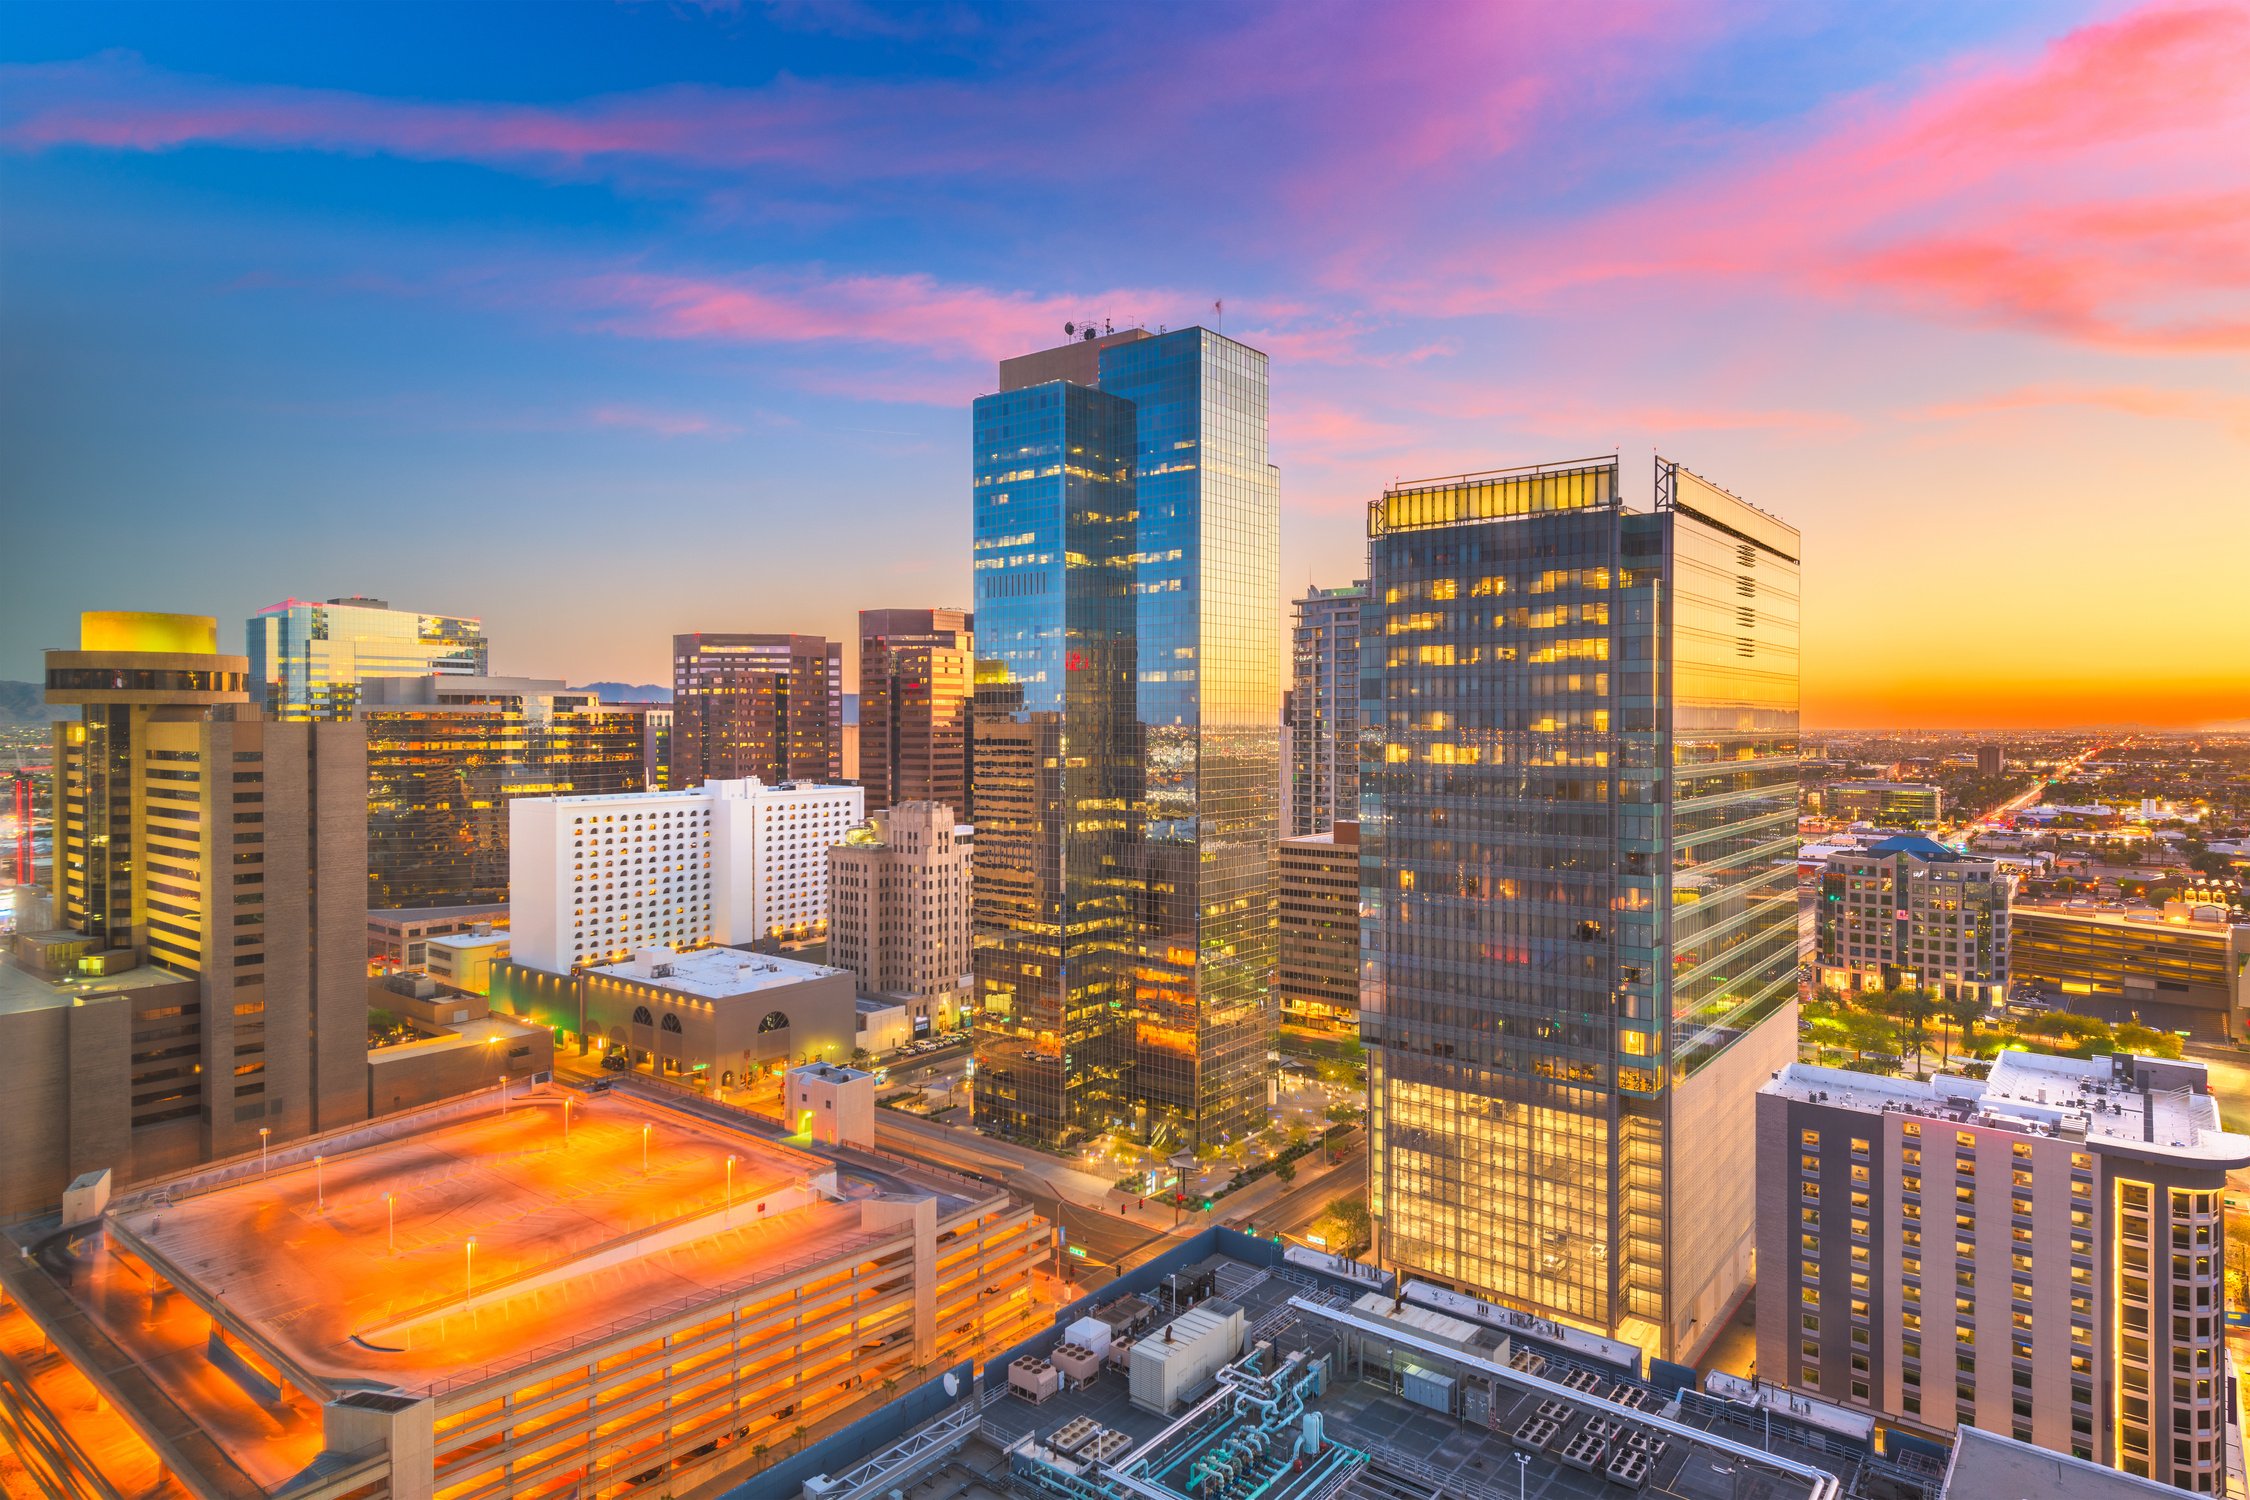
[(626, 692), (25, 703)]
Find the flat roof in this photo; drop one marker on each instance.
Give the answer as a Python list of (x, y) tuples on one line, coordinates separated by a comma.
[(470, 939), (2036, 1094), (2139, 918), (715, 973), (573, 1246), (415, 916), (22, 991), (1987, 1464)]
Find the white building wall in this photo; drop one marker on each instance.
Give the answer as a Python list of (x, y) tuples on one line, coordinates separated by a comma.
[(725, 862)]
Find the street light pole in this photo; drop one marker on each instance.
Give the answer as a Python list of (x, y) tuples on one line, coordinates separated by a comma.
[(568, 1101), (730, 1188), (1523, 1472), (644, 1150), (469, 1271), (390, 1203), (264, 1132), (320, 1186)]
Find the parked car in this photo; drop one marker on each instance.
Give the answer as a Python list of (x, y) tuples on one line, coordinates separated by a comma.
[(615, 1062)]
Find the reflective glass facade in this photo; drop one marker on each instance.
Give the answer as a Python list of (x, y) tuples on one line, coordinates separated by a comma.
[(311, 658), (1057, 764), (769, 706), (1181, 751), (440, 777), (1578, 817)]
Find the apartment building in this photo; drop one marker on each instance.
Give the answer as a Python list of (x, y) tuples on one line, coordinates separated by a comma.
[(2040, 1253)]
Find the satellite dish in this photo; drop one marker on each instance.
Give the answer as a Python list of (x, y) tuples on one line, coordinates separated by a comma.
[(952, 1384), (1088, 335), (1070, 330)]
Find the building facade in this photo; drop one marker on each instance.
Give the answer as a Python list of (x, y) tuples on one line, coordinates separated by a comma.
[(1991, 760), (917, 670), (309, 660), (1323, 711), (206, 985), (596, 879), (1128, 593), (1316, 975), (764, 706), (899, 910), (2177, 967), (1579, 940), (2041, 1253), (446, 755), (1887, 804), (1911, 913)]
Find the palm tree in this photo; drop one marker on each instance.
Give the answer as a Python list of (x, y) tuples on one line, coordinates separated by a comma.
[(1915, 1007), (1963, 1009)]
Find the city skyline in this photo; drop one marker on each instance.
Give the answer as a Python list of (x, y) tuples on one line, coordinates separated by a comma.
[(658, 264)]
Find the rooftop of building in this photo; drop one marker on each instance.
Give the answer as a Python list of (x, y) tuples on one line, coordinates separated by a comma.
[(2187, 916), (1921, 846), (352, 1271), (829, 1072), (715, 973), (471, 939), (1380, 1440), (2098, 1099), (1342, 835), (22, 990), (423, 916), (710, 791), (1881, 786), (1987, 1466)]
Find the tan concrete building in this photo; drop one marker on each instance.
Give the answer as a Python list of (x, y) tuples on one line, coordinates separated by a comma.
[(899, 910), (1317, 976), (205, 987), (2040, 1253), (718, 1014)]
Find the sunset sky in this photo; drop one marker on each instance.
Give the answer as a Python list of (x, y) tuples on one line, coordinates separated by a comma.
[(606, 321)]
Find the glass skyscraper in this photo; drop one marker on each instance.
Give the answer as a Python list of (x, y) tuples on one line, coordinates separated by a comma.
[(1324, 709), (307, 660), (1579, 933), (1128, 601)]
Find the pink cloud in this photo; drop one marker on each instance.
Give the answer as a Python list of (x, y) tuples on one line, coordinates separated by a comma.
[(2225, 409), (667, 424), (952, 321), (2098, 191)]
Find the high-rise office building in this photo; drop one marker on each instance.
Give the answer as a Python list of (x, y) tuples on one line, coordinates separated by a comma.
[(1316, 976), (1128, 685), (1911, 913), (1991, 760), (916, 676), (2040, 1253), (898, 902), (445, 757), (1578, 807), (210, 899), (768, 706), (1887, 804), (307, 660), (1323, 765)]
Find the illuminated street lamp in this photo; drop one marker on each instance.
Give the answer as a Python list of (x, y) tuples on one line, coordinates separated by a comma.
[(469, 1269), (264, 1131), (390, 1202), (320, 1187), (644, 1149), (567, 1102), (730, 1187)]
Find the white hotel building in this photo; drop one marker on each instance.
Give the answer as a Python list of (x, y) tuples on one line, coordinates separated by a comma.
[(593, 880)]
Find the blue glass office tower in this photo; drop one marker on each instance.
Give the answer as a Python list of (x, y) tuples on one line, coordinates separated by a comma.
[(1578, 888), (1151, 1004)]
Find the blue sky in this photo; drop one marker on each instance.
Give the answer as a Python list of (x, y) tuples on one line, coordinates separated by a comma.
[(606, 321)]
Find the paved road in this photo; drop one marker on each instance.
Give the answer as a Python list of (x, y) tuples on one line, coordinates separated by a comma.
[(1107, 1236), (1290, 1212)]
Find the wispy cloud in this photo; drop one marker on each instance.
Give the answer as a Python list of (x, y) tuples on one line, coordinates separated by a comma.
[(667, 424), (2224, 409)]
